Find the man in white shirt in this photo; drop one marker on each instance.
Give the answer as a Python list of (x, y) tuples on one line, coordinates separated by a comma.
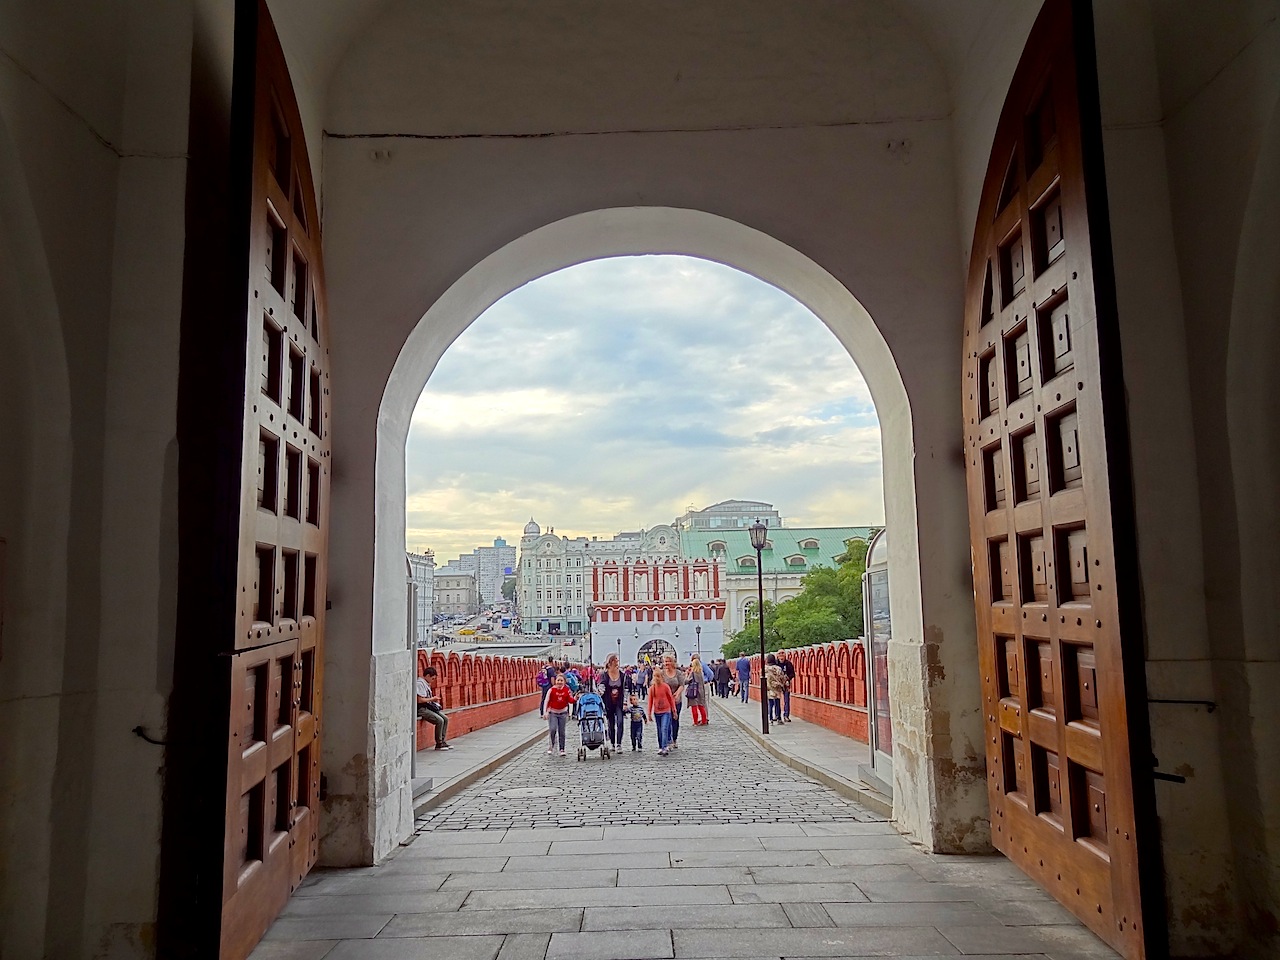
[(429, 708)]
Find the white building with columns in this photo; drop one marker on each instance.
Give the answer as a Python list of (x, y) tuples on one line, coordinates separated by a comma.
[(422, 571)]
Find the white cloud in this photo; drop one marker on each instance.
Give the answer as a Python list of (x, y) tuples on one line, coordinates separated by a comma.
[(613, 394)]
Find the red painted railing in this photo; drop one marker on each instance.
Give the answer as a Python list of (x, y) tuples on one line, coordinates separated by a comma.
[(478, 691), (830, 686)]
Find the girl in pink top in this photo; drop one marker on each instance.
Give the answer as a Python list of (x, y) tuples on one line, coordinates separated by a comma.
[(662, 706)]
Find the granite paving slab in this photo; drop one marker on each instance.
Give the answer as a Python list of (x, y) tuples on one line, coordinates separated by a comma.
[(470, 923), (426, 948), (688, 916), (915, 914), (797, 893), (618, 945), (383, 903), (1040, 939), (663, 877), (524, 946), (292, 949), (520, 879), (601, 897), (813, 942), (335, 927)]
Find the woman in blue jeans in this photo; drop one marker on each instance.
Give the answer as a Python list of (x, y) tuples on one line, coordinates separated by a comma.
[(674, 678), (662, 710), (613, 690)]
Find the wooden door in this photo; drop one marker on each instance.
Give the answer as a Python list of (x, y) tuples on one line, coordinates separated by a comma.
[(277, 651), (1059, 631)]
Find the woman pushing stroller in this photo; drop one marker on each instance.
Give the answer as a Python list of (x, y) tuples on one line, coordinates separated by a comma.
[(613, 689)]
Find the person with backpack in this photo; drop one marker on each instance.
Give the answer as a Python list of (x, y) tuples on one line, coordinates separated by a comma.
[(775, 680), (574, 681), (789, 671), (695, 693), (546, 676)]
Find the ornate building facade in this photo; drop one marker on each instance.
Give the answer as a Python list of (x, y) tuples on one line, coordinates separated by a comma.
[(554, 586), (651, 606)]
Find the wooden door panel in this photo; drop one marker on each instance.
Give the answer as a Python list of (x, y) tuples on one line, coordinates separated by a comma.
[(277, 650), (1063, 749)]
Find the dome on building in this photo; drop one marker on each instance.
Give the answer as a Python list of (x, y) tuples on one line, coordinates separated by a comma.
[(531, 529)]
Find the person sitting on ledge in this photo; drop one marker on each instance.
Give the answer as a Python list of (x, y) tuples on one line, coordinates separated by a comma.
[(430, 708)]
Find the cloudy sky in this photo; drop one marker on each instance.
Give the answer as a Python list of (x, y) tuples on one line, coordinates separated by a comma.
[(612, 395)]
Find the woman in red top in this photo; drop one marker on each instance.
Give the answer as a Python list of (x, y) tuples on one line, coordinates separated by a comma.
[(662, 707), (559, 696)]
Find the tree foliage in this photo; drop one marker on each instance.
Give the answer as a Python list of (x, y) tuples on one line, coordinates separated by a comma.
[(509, 588), (828, 608)]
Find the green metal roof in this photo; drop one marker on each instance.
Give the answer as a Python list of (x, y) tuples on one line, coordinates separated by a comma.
[(785, 543)]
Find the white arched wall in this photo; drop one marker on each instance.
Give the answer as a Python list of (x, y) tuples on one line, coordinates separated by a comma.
[(35, 484), (656, 230), (1253, 427)]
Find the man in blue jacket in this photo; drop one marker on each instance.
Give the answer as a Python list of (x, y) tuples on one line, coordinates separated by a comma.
[(744, 677)]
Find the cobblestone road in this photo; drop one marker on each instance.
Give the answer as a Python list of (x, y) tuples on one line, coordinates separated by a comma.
[(718, 775)]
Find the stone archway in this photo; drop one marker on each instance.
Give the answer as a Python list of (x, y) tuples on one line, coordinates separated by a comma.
[(657, 230), (655, 649)]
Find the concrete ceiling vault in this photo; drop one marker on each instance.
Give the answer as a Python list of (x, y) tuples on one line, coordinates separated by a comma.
[(379, 66)]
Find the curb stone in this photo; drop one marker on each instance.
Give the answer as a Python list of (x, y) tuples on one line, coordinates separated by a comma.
[(872, 799)]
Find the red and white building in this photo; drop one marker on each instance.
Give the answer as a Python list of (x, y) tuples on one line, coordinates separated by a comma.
[(653, 605)]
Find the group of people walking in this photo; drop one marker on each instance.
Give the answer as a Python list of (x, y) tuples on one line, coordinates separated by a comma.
[(637, 695)]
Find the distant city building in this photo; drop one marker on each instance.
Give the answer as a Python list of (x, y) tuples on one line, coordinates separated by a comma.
[(554, 585), (490, 566), (422, 571), (455, 591), (728, 515), (789, 553)]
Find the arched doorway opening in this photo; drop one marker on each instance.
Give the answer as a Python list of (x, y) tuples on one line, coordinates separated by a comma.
[(655, 230)]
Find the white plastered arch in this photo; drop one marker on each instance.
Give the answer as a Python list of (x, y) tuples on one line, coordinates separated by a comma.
[(626, 231), (36, 432)]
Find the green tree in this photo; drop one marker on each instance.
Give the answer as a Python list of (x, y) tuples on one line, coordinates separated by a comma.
[(509, 588), (747, 640), (828, 608)]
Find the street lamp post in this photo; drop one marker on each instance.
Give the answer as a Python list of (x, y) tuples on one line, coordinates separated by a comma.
[(759, 536), (619, 651), (591, 613), (677, 644), (698, 631)]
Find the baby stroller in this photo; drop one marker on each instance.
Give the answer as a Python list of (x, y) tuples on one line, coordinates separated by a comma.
[(591, 725)]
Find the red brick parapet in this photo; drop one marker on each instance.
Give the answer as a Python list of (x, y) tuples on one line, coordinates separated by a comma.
[(830, 687), (478, 690)]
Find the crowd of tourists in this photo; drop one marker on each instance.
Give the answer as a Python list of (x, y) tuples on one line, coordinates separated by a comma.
[(639, 694)]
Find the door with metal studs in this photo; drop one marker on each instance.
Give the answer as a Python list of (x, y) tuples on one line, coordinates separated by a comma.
[(1046, 455)]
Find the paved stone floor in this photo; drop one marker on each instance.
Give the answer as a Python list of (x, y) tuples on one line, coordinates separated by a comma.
[(717, 851)]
